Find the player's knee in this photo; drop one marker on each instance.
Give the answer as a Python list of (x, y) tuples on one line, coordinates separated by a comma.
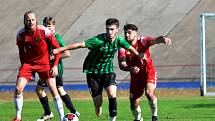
[(61, 91), (40, 91), (133, 106), (150, 95), (18, 90)]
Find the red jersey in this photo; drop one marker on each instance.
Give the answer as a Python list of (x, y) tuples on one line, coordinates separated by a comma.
[(34, 48), (142, 46)]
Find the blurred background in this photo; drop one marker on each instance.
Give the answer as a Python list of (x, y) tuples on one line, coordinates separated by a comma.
[(78, 20)]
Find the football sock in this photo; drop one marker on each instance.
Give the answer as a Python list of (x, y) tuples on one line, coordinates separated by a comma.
[(112, 107), (153, 106), (45, 103), (67, 100), (59, 106), (113, 118), (137, 113), (18, 101)]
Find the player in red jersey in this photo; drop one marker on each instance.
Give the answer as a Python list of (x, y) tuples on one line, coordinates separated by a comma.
[(143, 74), (33, 41)]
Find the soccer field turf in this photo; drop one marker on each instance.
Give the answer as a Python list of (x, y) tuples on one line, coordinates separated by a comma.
[(170, 109)]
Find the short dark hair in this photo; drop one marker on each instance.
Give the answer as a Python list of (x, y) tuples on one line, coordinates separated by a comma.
[(48, 20), (112, 21), (131, 27)]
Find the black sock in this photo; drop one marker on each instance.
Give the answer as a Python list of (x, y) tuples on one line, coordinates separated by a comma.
[(112, 107), (66, 99), (45, 103)]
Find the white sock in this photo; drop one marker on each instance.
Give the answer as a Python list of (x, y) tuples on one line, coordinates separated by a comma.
[(153, 107), (137, 113), (59, 107), (18, 102), (113, 118)]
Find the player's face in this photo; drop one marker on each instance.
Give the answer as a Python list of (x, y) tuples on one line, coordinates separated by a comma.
[(111, 31), (30, 21), (50, 27), (130, 35)]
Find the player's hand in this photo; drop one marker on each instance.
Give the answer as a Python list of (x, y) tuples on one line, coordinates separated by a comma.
[(54, 71), (167, 40), (142, 57), (56, 51), (135, 69), (52, 57)]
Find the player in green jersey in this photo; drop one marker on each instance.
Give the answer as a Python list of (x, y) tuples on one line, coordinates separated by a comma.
[(98, 64), (49, 22)]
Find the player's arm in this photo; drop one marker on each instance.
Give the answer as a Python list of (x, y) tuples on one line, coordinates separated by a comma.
[(21, 48), (65, 54), (161, 39), (70, 47), (122, 60)]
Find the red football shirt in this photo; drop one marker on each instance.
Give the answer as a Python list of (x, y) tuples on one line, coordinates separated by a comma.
[(142, 46), (34, 48)]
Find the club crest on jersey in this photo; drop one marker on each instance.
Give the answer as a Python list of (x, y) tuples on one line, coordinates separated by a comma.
[(38, 38)]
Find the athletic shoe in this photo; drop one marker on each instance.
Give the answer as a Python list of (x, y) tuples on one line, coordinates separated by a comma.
[(46, 117), (113, 118), (16, 119), (141, 119), (154, 118), (77, 114), (98, 111)]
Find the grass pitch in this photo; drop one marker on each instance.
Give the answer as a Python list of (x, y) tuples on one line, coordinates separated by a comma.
[(193, 108)]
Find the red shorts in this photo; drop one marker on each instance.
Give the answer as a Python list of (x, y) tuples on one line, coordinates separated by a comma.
[(26, 71), (139, 81)]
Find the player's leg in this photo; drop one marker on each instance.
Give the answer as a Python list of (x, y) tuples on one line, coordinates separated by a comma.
[(51, 82), (18, 97), (111, 92), (136, 91), (150, 89), (25, 74), (65, 97), (40, 91), (110, 84), (95, 88), (135, 108)]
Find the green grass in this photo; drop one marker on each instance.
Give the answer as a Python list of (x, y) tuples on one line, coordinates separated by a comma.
[(170, 109)]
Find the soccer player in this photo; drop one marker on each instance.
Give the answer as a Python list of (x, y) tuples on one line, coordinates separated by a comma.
[(33, 41), (143, 74), (50, 23), (98, 64)]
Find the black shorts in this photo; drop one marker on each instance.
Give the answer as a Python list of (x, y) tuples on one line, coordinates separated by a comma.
[(96, 82), (59, 82)]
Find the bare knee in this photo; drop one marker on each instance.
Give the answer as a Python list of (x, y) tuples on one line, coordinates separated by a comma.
[(150, 96), (134, 103), (61, 91), (40, 91), (18, 91)]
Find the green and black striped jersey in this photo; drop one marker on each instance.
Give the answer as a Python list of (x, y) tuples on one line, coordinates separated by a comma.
[(101, 55)]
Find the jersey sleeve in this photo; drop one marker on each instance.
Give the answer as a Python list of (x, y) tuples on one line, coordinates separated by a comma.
[(124, 43), (54, 43), (60, 40), (146, 41), (93, 42), (121, 53)]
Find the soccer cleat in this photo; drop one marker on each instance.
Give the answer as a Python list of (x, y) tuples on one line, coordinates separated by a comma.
[(98, 111), (16, 119), (46, 117), (141, 119), (154, 118), (77, 114)]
